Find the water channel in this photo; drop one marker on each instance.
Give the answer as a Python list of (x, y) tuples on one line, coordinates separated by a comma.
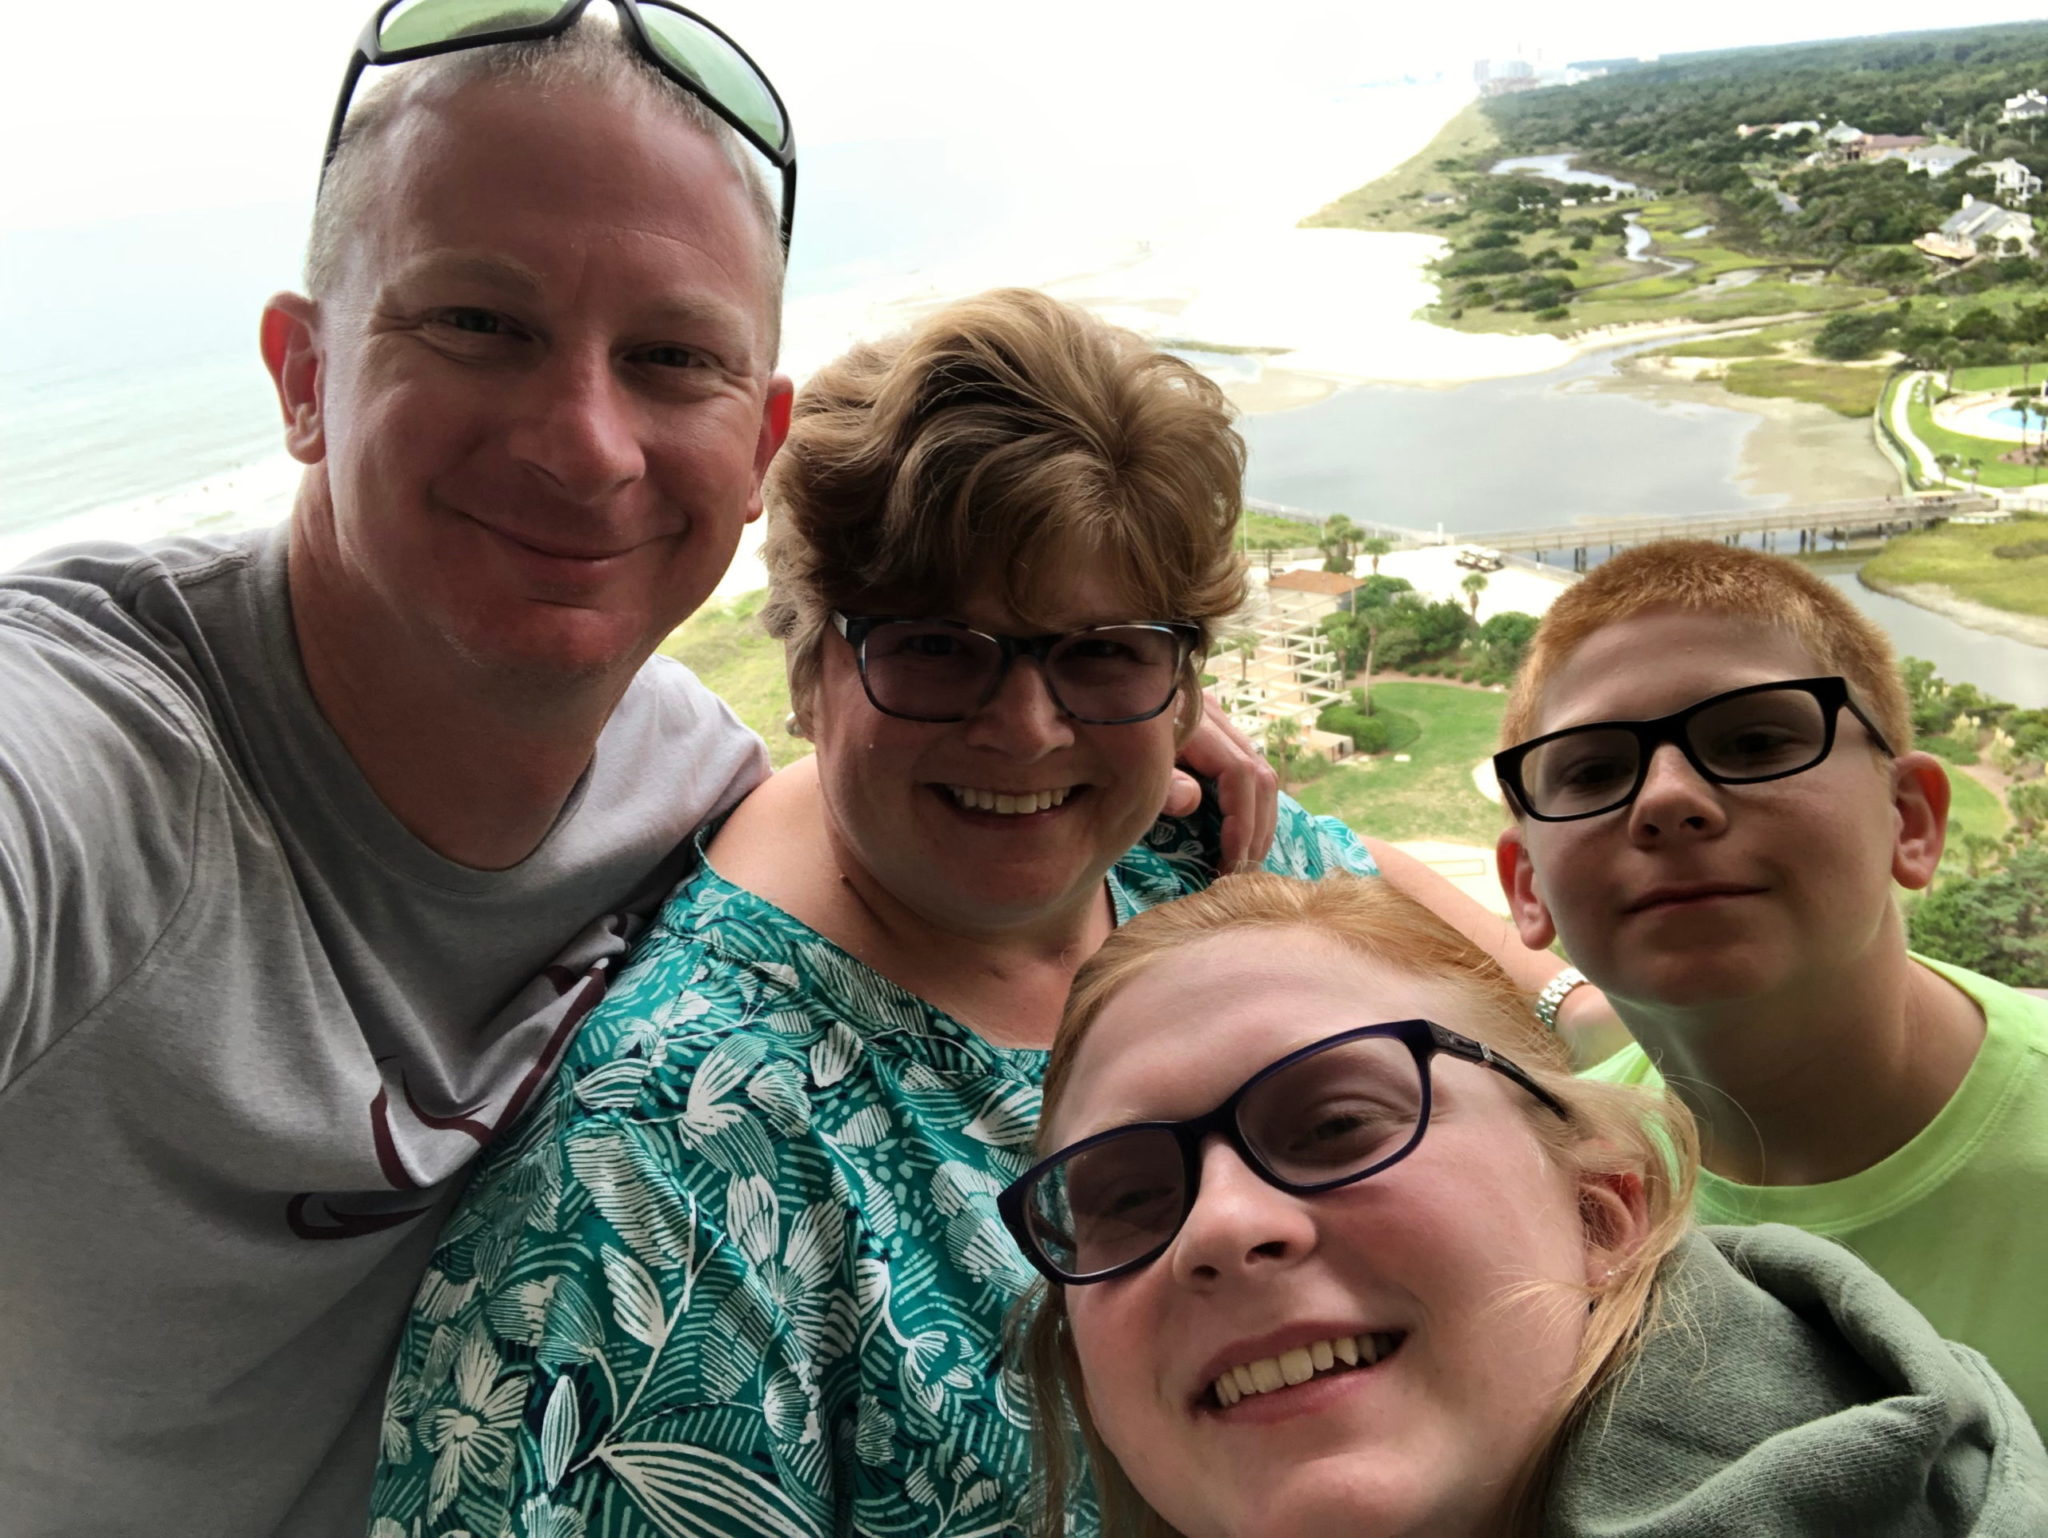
[(1551, 448)]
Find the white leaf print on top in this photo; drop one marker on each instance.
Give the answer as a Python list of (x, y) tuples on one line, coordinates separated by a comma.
[(637, 1196), (694, 1493), (636, 1299), (755, 1290)]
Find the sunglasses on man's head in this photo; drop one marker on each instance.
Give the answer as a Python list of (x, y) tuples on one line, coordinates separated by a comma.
[(686, 48), (1743, 737), (1336, 1112)]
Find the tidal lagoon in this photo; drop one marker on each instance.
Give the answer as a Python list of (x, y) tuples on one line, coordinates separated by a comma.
[(1589, 440)]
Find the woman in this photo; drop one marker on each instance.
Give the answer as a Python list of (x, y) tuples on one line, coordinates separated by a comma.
[(1337, 1245), (741, 1271)]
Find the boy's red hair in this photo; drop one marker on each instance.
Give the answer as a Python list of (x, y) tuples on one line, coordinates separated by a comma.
[(1721, 579)]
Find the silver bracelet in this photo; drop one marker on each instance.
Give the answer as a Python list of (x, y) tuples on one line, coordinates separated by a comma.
[(1551, 998)]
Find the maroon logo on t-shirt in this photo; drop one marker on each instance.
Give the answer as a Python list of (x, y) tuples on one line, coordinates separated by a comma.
[(412, 1137)]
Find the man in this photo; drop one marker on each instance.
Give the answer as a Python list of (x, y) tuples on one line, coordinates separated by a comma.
[(290, 824), (316, 845), (1713, 798)]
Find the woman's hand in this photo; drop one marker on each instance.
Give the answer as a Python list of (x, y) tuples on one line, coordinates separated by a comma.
[(1246, 786)]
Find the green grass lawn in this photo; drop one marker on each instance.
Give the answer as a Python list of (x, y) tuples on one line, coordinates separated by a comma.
[(1853, 392), (1971, 809), (1288, 533), (724, 644), (1959, 556), (1981, 452), (1432, 795), (2005, 376)]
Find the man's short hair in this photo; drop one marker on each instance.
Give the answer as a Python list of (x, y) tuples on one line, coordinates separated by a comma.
[(1727, 580), (1006, 444), (592, 55)]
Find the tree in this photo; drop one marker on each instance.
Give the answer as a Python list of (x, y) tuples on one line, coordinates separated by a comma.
[(1340, 538), (1996, 924), (1851, 336), (1505, 638), (2028, 804), (1377, 547), (1283, 746), (1473, 585), (1980, 850)]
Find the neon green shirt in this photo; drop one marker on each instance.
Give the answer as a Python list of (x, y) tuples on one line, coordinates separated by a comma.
[(1957, 1220)]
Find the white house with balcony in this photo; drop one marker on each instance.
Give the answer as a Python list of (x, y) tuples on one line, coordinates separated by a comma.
[(2012, 182)]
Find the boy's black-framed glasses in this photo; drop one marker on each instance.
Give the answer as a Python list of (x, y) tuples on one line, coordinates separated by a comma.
[(1743, 737), (681, 44), (1333, 1113), (939, 670)]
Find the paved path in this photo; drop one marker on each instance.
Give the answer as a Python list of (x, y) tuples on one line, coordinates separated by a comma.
[(1902, 429)]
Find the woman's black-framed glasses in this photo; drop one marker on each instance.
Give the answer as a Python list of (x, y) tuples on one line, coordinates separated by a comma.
[(939, 670), (1742, 737), (681, 44), (1338, 1111)]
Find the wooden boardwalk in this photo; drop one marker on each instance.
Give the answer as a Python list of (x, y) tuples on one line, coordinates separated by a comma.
[(1865, 518)]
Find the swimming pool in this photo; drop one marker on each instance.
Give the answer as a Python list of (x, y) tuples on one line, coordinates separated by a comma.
[(2017, 419)]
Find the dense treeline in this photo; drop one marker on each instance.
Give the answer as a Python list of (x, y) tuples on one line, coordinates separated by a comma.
[(1674, 122)]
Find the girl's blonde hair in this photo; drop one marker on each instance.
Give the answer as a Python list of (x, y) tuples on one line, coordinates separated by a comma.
[(1613, 1130)]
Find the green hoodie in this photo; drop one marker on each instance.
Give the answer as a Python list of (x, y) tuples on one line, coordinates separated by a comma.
[(1787, 1392)]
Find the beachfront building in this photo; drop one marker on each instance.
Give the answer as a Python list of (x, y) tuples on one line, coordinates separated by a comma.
[(1280, 667), (1979, 228), (2024, 108), (1933, 159), (2012, 182)]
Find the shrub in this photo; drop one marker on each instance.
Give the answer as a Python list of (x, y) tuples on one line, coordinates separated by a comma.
[(1954, 749), (1555, 312), (1368, 734), (1483, 263), (1851, 336), (1995, 924)]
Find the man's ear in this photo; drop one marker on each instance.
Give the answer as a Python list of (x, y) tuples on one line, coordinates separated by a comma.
[(1616, 1212), (291, 351), (1920, 796), (775, 414), (1518, 880)]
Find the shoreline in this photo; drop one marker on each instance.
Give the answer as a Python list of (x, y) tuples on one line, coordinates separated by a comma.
[(1944, 601)]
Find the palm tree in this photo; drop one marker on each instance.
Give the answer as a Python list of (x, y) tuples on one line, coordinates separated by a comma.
[(1474, 584), (1340, 534), (1283, 744), (1375, 547)]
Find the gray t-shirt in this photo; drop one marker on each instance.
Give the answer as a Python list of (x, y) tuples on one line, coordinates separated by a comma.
[(251, 1030)]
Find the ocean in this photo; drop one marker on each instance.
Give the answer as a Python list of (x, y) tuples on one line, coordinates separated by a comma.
[(133, 402)]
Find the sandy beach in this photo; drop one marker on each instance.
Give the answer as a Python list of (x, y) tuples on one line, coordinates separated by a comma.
[(1802, 452)]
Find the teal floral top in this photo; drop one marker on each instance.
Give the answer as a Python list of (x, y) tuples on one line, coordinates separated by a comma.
[(740, 1270)]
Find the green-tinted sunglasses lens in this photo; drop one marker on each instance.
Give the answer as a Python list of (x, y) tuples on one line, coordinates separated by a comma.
[(711, 61), (423, 23)]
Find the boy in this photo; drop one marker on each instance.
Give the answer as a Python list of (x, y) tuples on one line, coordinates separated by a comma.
[(1713, 793)]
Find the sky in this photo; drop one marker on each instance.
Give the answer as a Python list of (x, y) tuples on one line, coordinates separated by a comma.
[(145, 107)]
